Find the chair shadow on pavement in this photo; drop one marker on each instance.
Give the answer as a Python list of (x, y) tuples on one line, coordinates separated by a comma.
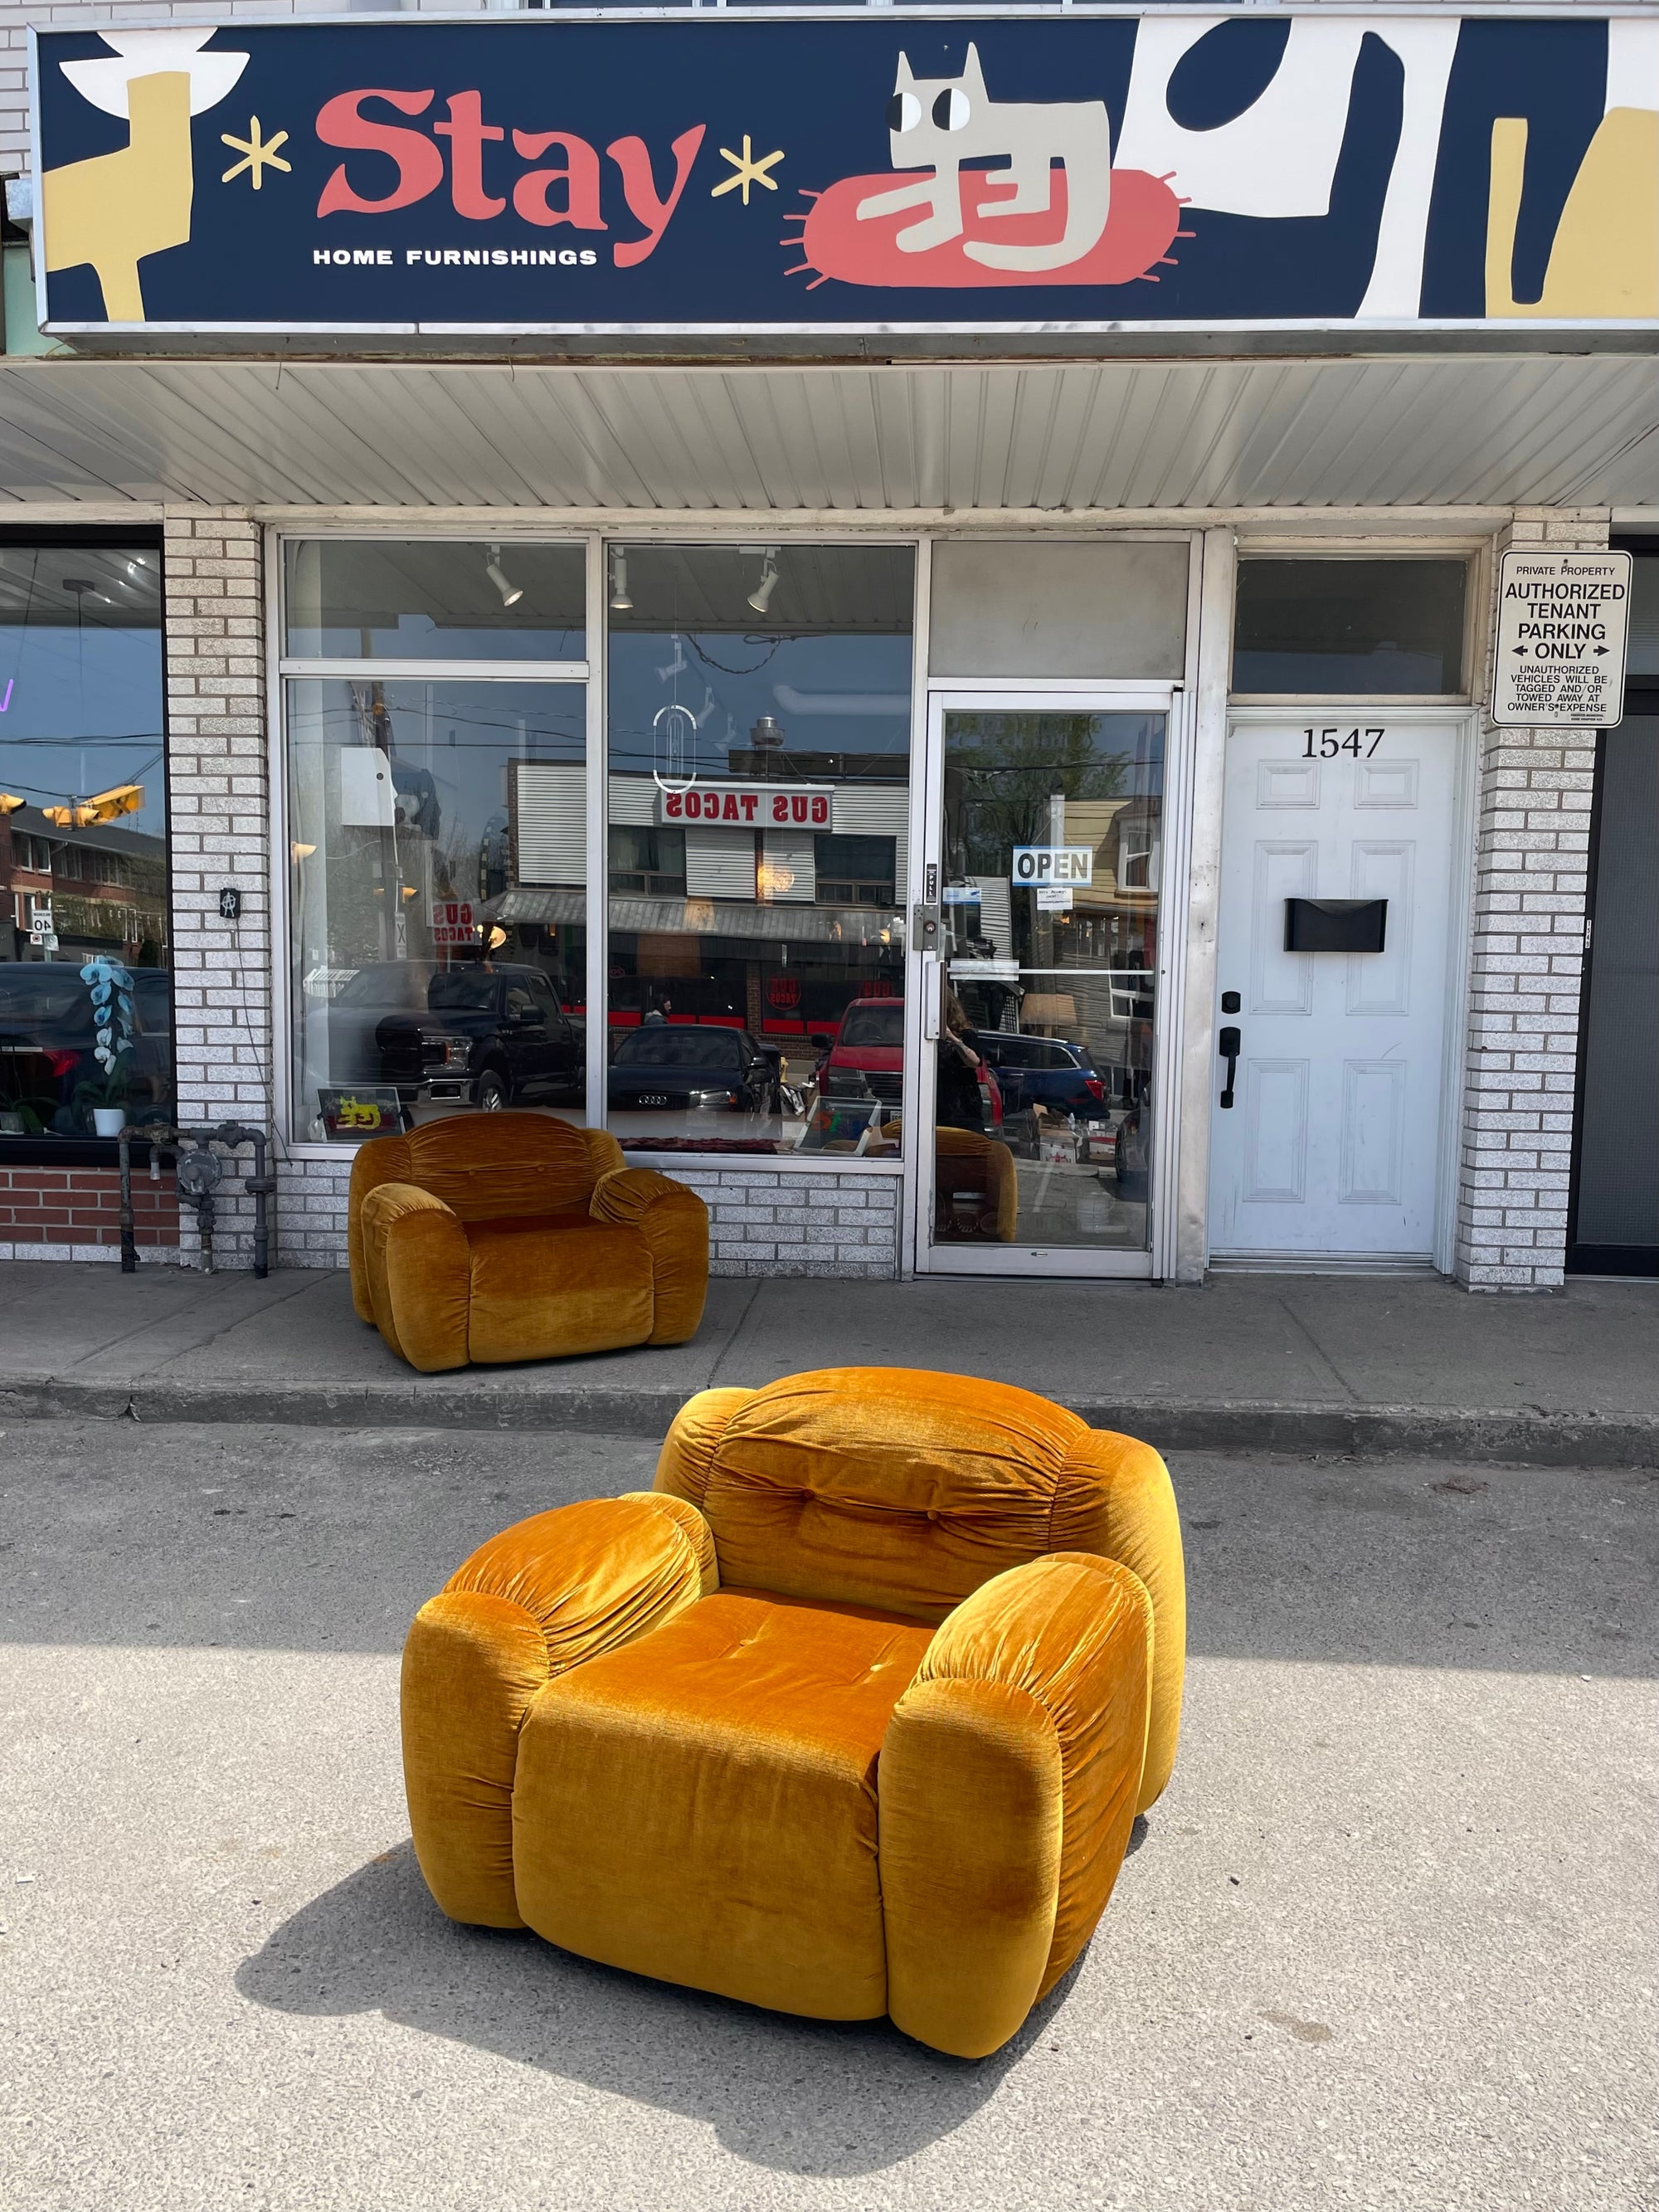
[(801, 2096)]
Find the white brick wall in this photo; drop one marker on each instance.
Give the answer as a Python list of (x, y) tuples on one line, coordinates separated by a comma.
[(219, 807), (761, 1222), (1526, 965)]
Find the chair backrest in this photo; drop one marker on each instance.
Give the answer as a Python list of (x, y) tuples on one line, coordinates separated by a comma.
[(886, 1486), (485, 1167)]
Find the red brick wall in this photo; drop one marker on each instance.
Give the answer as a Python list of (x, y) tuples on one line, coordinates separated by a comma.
[(82, 1205)]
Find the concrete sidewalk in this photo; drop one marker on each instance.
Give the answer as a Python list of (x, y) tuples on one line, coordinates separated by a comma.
[(1249, 1363)]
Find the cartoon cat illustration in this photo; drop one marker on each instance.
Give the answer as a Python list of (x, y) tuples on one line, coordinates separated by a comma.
[(942, 122)]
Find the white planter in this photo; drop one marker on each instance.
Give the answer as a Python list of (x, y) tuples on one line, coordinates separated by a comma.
[(109, 1120)]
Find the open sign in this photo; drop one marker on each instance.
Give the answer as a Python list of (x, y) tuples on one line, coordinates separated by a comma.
[(1044, 866)]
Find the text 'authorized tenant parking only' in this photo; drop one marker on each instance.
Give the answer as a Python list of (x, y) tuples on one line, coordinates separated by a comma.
[(1562, 620)]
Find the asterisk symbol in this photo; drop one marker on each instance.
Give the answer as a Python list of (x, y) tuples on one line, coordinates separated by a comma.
[(258, 154), (748, 170)]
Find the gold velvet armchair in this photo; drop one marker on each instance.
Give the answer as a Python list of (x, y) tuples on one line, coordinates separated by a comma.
[(499, 1236), (851, 1714)]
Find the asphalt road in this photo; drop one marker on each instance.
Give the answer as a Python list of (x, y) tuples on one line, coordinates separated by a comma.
[(1388, 1941)]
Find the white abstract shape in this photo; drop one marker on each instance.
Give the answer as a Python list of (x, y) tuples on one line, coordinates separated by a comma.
[(155, 53), (1634, 61), (1279, 156), (1425, 48), (940, 122)]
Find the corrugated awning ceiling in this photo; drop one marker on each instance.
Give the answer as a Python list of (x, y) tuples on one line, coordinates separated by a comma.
[(1447, 432)]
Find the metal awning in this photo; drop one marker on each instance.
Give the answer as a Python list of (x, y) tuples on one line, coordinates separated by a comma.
[(1447, 431), (746, 921)]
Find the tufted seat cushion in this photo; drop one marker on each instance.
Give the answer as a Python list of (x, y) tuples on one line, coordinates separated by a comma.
[(700, 1805)]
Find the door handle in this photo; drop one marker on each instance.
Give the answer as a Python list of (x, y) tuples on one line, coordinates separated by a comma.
[(1229, 1043), (932, 994)]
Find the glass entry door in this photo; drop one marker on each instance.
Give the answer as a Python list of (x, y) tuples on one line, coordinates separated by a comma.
[(1039, 1005)]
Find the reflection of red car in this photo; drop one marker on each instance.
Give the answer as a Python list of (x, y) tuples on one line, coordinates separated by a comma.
[(867, 1060)]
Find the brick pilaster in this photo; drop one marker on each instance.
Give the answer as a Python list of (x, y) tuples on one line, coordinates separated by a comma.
[(219, 804), (1526, 968)]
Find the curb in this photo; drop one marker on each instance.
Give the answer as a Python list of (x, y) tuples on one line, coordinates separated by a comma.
[(1497, 1436)]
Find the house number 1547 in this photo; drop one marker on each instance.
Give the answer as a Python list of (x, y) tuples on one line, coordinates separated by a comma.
[(1325, 744)]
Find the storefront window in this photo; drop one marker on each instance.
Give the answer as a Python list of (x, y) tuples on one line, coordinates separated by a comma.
[(1350, 629), (86, 1009), (438, 845), (759, 706)]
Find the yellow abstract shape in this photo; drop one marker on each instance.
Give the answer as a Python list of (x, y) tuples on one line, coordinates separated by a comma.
[(258, 154), (117, 208), (749, 171), (1604, 264)]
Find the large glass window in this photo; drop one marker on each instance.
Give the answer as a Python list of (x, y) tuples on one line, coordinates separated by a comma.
[(438, 839), (1350, 629), (759, 706), (86, 1010)]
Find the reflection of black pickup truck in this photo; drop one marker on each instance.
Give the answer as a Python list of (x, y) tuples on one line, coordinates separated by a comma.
[(480, 1034)]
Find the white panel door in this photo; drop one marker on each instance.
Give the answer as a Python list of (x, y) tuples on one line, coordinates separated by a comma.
[(1330, 1147)]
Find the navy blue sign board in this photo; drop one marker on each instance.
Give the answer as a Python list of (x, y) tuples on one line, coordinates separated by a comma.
[(851, 172)]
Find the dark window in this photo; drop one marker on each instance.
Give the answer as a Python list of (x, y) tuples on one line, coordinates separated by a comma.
[(83, 865), (877, 1024), (855, 870), (647, 860), (1350, 629)]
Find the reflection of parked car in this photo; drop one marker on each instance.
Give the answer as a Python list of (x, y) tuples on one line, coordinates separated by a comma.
[(479, 1035), (867, 1060), (48, 1033), (681, 1067), (1045, 1071)]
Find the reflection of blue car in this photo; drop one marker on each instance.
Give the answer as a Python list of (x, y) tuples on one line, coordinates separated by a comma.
[(1045, 1071)]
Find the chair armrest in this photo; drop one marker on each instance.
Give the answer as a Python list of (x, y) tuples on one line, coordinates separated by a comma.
[(419, 1271), (674, 1222), (1007, 1783), (382, 1159), (1114, 1497), (532, 1603)]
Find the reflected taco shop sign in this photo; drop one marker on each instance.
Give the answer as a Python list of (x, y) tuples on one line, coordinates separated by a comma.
[(748, 805), (554, 172)]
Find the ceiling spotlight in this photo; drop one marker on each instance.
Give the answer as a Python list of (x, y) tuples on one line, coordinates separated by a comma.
[(620, 602), (760, 598), (511, 592)]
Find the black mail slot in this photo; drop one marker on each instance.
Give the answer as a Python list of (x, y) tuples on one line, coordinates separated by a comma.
[(1336, 925)]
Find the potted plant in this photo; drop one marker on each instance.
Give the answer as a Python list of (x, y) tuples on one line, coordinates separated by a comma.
[(110, 988), (107, 1097)]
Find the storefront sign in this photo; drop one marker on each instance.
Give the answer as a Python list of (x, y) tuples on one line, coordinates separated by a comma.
[(1050, 865), (452, 923), (750, 805), (1562, 620), (751, 172)]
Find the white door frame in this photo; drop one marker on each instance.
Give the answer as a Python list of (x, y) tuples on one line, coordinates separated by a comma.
[(1465, 723), (1173, 701)]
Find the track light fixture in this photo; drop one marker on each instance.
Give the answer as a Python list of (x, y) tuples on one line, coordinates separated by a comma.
[(511, 592), (761, 598), (620, 602)]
